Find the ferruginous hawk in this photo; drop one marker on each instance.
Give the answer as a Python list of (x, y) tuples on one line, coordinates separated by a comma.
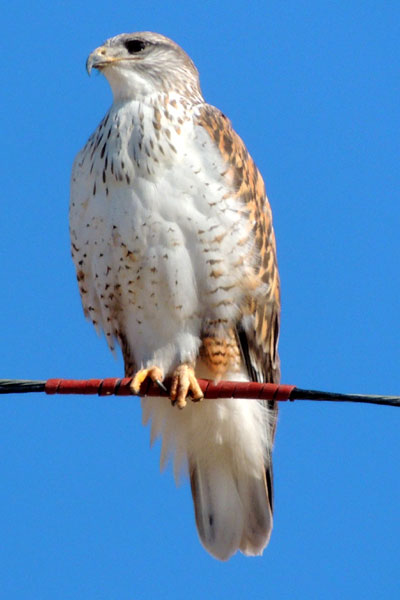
[(174, 249)]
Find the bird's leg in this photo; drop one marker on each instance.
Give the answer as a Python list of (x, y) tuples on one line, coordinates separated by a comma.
[(184, 382), (155, 374)]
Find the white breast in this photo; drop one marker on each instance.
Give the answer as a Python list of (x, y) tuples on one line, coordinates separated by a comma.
[(156, 232)]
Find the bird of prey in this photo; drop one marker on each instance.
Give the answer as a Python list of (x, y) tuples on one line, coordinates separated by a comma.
[(174, 249)]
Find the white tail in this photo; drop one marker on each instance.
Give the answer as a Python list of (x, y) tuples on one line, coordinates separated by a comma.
[(227, 447)]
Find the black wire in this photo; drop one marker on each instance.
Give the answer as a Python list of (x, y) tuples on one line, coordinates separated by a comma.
[(298, 394), (20, 386)]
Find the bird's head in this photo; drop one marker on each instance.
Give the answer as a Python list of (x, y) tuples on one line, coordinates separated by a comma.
[(141, 64)]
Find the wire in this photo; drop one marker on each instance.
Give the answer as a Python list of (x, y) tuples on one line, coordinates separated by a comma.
[(223, 389), (20, 386)]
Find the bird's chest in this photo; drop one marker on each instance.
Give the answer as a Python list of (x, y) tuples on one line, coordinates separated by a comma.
[(166, 227), (172, 252)]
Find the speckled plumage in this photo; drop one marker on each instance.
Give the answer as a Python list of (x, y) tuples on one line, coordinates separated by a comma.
[(172, 239)]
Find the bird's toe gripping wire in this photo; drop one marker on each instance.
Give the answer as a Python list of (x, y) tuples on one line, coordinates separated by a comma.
[(154, 373), (184, 384)]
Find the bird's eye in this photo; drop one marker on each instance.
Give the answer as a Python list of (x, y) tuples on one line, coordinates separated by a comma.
[(134, 46)]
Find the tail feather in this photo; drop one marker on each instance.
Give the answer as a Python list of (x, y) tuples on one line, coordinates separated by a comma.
[(258, 515), (227, 446), (232, 512), (218, 511)]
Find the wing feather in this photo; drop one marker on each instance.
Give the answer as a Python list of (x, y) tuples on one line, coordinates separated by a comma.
[(258, 328)]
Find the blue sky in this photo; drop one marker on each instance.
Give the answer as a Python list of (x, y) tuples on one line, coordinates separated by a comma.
[(313, 88)]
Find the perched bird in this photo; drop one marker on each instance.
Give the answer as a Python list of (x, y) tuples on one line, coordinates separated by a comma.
[(173, 244)]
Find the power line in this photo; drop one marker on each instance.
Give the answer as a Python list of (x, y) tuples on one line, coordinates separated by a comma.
[(223, 389)]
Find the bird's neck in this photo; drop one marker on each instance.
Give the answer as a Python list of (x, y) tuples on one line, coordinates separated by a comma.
[(155, 129), (171, 100)]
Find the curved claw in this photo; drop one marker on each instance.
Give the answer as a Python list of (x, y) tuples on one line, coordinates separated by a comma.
[(161, 385), (155, 375)]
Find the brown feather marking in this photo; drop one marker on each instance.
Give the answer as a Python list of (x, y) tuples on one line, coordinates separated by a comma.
[(242, 175), (219, 354)]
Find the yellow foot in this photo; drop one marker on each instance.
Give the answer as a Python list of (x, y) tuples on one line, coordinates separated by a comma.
[(154, 373), (183, 382)]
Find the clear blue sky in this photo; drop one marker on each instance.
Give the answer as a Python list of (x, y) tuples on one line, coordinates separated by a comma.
[(313, 88)]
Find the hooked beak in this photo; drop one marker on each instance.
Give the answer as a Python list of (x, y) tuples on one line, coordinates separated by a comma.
[(99, 59)]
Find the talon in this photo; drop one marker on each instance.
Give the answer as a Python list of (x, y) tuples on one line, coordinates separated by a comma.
[(161, 385), (184, 382), (155, 375)]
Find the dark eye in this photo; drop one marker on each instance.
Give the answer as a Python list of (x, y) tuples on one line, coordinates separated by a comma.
[(134, 46)]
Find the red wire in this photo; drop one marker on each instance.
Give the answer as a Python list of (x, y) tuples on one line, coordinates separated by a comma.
[(121, 387)]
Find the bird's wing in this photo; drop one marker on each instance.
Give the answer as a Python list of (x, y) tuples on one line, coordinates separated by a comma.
[(258, 329), (256, 338)]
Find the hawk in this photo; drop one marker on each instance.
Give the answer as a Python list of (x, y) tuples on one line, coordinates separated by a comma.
[(174, 249)]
